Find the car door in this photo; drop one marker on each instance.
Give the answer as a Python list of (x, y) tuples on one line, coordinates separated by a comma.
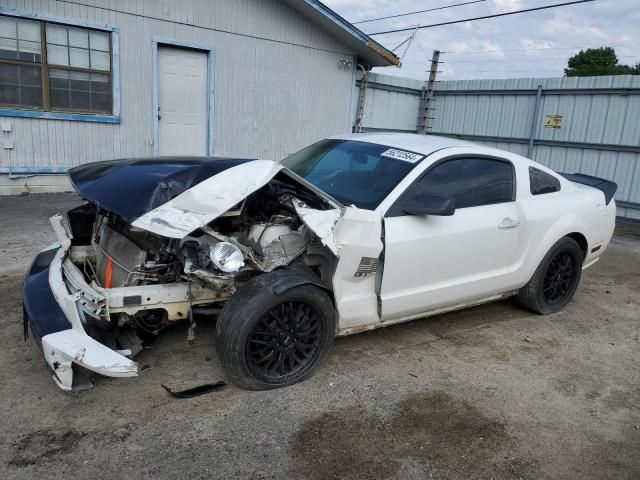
[(432, 262)]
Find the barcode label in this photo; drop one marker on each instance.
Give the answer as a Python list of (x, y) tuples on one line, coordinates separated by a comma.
[(402, 155)]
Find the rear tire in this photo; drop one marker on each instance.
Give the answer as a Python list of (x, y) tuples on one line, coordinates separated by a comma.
[(555, 280), (267, 340)]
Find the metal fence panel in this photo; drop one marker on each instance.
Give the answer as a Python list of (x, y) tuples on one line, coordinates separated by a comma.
[(598, 134)]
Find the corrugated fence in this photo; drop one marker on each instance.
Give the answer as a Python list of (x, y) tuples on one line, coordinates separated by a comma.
[(589, 125)]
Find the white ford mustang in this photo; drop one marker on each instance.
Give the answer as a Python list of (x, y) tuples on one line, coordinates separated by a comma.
[(352, 233)]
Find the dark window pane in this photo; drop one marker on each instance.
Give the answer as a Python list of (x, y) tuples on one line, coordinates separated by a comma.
[(31, 76), (8, 55), (59, 99), (99, 83), (20, 85), (59, 83), (59, 89), (78, 84), (29, 57), (58, 79), (80, 100), (8, 73), (9, 94), (31, 96), (471, 182), (101, 102), (541, 182)]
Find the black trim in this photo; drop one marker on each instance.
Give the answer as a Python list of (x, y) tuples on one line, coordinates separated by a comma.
[(606, 186), (393, 210), (284, 279)]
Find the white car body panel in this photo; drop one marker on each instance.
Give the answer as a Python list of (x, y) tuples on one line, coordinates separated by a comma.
[(432, 262), (350, 233), (358, 236)]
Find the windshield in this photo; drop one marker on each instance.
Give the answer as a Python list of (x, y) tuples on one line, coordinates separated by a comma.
[(354, 173)]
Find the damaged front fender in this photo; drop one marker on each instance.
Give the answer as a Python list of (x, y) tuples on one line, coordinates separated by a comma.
[(354, 236), (65, 341)]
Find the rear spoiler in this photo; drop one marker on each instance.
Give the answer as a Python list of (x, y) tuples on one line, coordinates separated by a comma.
[(607, 187)]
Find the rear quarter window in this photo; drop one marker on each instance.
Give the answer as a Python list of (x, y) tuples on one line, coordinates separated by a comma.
[(541, 183)]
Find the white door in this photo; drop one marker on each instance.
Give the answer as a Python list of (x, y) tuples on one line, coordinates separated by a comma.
[(433, 262), (182, 101)]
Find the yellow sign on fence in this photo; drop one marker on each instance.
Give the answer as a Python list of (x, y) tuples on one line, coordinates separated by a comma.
[(553, 121)]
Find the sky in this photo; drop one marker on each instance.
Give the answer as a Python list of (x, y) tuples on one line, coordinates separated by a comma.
[(544, 39)]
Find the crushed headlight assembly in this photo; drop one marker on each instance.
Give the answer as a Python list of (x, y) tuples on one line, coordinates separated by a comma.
[(226, 257)]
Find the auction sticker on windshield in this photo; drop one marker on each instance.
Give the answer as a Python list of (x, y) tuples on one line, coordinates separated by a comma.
[(402, 155)]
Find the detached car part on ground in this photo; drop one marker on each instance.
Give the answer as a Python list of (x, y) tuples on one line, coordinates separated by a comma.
[(350, 234)]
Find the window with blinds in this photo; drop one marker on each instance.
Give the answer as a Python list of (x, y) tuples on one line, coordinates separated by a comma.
[(54, 67)]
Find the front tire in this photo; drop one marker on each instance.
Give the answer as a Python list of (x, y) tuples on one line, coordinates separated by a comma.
[(555, 280), (267, 340)]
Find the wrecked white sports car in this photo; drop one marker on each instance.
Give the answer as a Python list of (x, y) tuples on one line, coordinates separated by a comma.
[(349, 234)]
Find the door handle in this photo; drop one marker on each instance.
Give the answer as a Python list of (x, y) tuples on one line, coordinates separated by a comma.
[(508, 223)]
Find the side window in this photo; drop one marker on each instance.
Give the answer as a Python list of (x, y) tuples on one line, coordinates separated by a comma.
[(471, 182), (541, 182)]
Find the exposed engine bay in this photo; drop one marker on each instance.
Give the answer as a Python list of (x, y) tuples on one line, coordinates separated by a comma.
[(176, 241), (152, 281)]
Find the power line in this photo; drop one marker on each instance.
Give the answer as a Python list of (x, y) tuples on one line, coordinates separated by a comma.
[(458, 72), (460, 52), (486, 60), (483, 17), (419, 11)]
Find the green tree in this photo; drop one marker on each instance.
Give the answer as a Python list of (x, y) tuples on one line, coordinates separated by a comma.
[(598, 61)]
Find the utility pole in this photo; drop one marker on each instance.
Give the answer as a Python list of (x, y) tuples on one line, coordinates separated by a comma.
[(427, 96), (362, 96)]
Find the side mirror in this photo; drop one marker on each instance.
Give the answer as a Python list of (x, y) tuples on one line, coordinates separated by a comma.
[(422, 203)]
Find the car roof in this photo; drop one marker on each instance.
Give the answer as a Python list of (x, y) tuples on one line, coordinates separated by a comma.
[(428, 144), (424, 144)]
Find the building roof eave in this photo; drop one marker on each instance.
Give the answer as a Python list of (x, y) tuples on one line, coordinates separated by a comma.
[(368, 50)]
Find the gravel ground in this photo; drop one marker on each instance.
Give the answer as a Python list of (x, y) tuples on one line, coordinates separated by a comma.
[(489, 392)]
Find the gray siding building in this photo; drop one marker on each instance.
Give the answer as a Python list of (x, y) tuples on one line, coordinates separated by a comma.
[(89, 80)]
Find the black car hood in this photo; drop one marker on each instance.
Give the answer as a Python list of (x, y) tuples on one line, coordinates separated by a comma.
[(132, 187)]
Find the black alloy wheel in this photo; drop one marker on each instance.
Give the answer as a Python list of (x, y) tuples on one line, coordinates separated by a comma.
[(285, 340), (558, 278), (271, 337)]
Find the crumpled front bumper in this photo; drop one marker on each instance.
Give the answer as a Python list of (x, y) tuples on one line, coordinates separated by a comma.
[(55, 317)]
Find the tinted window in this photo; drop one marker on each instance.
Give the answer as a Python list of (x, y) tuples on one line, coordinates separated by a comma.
[(541, 182), (471, 181), (354, 173)]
